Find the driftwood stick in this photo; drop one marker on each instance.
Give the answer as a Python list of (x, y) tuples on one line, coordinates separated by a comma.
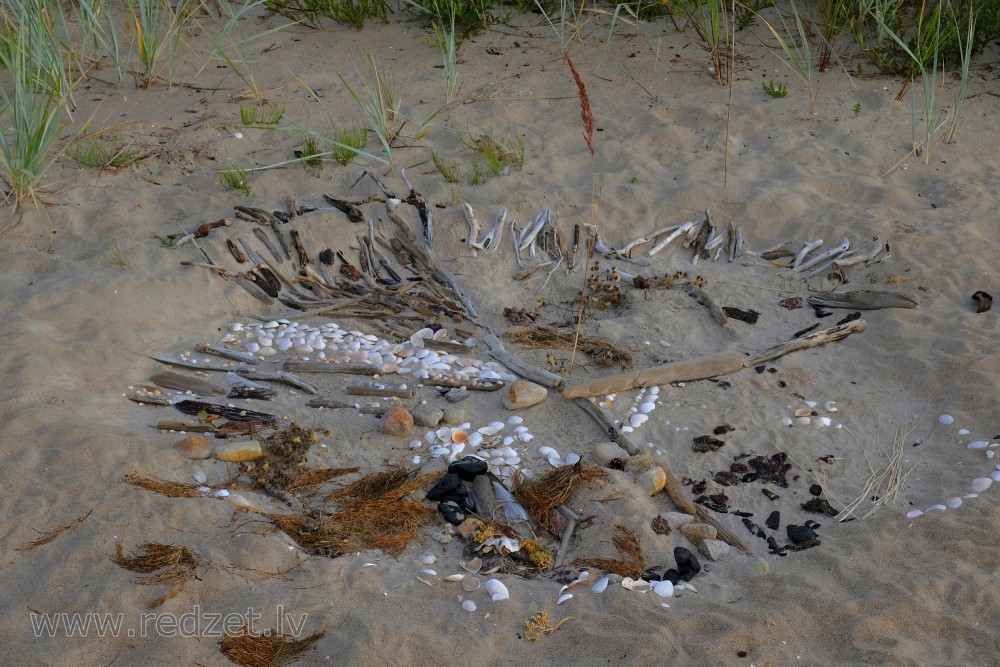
[(372, 388), (539, 375), (571, 519), (225, 353), (677, 371), (176, 425), (262, 237), (813, 339), (702, 297), (174, 360), (279, 376), (863, 300), (182, 382), (199, 232), (296, 366), (471, 385)]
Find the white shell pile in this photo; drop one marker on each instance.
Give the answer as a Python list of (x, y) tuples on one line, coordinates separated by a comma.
[(331, 343), (663, 589), (812, 415), (978, 485)]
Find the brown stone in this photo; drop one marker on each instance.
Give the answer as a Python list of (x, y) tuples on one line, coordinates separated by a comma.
[(396, 421), (524, 394), (194, 447), (238, 452), (652, 481), (696, 532)]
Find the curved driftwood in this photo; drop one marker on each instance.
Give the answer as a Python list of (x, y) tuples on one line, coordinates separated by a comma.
[(863, 300)]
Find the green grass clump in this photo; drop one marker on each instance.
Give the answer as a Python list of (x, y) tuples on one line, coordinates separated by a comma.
[(100, 154), (347, 143), (349, 12), (235, 178), (500, 155), (260, 115), (312, 156), (450, 171), (115, 257)]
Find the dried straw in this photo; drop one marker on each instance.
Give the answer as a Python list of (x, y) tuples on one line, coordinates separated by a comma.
[(552, 489), (632, 562), (370, 486), (178, 566), (269, 649), (604, 352), (317, 477), (48, 537), (885, 482), (170, 489)]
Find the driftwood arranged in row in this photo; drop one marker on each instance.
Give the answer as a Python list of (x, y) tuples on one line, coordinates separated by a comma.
[(837, 258)]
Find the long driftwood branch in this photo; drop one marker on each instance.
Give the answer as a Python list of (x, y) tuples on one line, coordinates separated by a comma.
[(813, 339), (677, 371)]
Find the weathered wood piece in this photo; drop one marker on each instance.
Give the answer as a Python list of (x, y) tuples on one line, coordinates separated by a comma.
[(182, 382), (191, 427), (279, 376), (174, 360), (677, 371), (702, 297), (863, 300), (232, 414), (813, 339), (226, 353), (297, 366), (538, 375), (373, 388)]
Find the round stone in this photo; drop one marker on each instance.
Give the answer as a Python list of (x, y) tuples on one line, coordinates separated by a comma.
[(194, 447), (396, 421)]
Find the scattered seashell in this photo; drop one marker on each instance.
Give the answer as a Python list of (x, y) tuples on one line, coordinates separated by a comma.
[(459, 436), (572, 458), (913, 514), (199, 476), (514, 420), (491, 429), (811, 404), (664, 589), (547, 451), (936, 507), (470, 584), (564, 597), (980, 484), (427, 558), (823, 421), (637, 420), (946, 419), (473, 566), (830, 406), (979, 444), (647, 407), (497, 590), (787, 421), (454, 577), (963, 431), (220, 493), (995, 476), (954, 503), (803, 421), (600, 585), (468, 605), (970, 496), (638, 585), (475, 439), (428, 577), (803, 412)]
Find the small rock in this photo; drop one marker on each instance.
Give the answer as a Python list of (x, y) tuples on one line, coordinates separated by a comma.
[(607, 452), (468, 467), (427, 415), (652, 481), (396, 421), (660, 526), (696, 532), (774, 520), (671, 575), (820, 506), (446, 486), (714, 550), (677, 520), (194, 447), (454, 415), (800, 534), (524, 394), (238, 452), (816, 490), (451, 512), (687, 564)]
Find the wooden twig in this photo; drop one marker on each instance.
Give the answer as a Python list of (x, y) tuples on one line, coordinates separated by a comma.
[(539, 375), (279, 376), (182, 382), (297, 366), (571, 520), (702, 297), (226, 353), (813, 339), (373, 388), (678, 371)]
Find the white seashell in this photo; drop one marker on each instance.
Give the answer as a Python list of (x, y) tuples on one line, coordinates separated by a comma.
[(427, 558), (963, 431), (430, 437), (283, 344), (803, 421), (995, 476), (253, 348), (830, 406), (980, 484), (627, 429), (512, 460), (428, 577), (490, 430), (458, 448), (664, 588), (564, 597), (497, 590), (444, 434), (936, 507), (525, 437), (823, 421), (811, 404), (220, 493), (473, 566), (647, 407), (989, 453), (954, 503), (205, 489), (440, 451), (508, 440), (514, 420), (475, 439), (787, 421), (416, 460), (637, 420), (470, 584), (970, 496), (913, 514), (555, 461), (547, 451), (803, 412), (946, 419), (979, 444), (454, 577), (415, 444), (600, 585), (468, 605), (199, 476), (572, 458), (520, 429), (638, 585)]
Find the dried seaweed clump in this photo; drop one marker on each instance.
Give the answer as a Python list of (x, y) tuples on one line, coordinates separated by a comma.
[(269, 649), (170, 489), (317, 477), (632, 562), (603, 352), (177, 566), (552, 489), (284, 461), (376, 516), (538, 626)]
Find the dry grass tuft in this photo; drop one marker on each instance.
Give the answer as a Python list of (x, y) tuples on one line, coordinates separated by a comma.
[(269, 649), (370, 486), (604, 352), (178, 566), (885, 482), (170, 489), (552, 489), (50, 536), (632, 562)]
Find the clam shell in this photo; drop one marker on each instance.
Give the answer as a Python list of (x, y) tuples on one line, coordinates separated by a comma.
[(473, 566), (638, 585), (803, 412), (572, 458), (497, 590), (454, 577), (427, 558), (913, 514), (600, 585), (564, 597), (470, 584), (468, 605), (427, 576)]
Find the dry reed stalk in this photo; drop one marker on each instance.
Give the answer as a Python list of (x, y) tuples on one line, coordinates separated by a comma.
[(632, 562), (267, 649), (541, 496), (169, 489), (536, 336), (48, 537), (585, 113), (178, 566), (885, 483)]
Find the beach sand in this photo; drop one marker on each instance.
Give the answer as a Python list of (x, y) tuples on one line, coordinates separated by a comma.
[(887, 590)]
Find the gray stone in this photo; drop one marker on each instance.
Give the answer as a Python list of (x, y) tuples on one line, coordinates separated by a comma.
[(677, 520), (606, 452), (454, 415), (713, 549), (427, 415)]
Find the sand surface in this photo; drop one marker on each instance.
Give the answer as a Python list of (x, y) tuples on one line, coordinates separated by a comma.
[(886, 591)]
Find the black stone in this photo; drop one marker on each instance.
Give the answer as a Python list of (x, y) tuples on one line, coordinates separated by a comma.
[(711, 504), (452, 512), (750, 477), (326, 256), (983, 301), (671, 575), (754, 529), (748, 315), (816, 490), (772, 544), (820, 506), (770, 494), (445, 487), (800, 534), (774, 520), (468, 467), (687, 564), (654, 573), (742, 513), (811, 525)]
